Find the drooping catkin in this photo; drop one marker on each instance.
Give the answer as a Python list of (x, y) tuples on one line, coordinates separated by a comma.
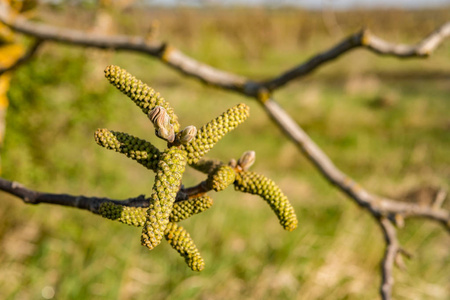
[(206, 165), (181, 241), (167, 183), (209, 134), (144, 96), (220, 178), (135, 148), (184, 209), (253, 183)]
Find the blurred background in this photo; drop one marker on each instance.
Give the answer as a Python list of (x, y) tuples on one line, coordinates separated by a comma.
[(382, 120)]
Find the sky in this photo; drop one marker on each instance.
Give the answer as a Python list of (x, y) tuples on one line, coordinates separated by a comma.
[(317, 4)]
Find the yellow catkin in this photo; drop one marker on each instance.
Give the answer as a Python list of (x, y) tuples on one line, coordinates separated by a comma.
[(136, 216), (209, 134), (167, 183), (206, 165), (144, 96), (221, 178), (182, 242), (137, 149), (253, 183), (184, 209)]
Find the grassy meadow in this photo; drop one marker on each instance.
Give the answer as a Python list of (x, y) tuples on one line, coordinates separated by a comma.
[(384, 121)]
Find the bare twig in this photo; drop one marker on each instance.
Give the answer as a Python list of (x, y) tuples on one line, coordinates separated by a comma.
[(422, 49), (390, 254), (206, 73), (82, 202), (376, 205), (91, 204)]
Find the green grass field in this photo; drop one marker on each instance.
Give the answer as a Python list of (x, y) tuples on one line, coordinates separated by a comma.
[(384, 121)]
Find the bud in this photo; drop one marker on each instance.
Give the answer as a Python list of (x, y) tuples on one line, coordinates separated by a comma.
[(161, 120), (188, 134), (247, 159)]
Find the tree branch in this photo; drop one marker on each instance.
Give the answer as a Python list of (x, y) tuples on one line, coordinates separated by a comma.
[(91, 204), (422, 49), (390, 253), (208, 74), (376, 205)]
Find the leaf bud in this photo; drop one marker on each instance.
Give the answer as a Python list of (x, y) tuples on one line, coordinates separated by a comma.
[(188, 134), (247, 159)]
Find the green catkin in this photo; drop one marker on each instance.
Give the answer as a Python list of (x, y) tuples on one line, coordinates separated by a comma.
[(253, 183), (221, 178), (167, 183), (137, 149), (144, 96), (181, 241), (184, 209), (136, 216), (206, 165), (209, 134)]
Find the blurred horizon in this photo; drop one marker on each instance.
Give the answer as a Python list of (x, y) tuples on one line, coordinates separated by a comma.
[(310, 4)]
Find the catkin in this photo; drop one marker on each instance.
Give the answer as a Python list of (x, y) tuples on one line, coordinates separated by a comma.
[(184, 209), (134, 216), (144, 96), (253, 183), (167, 183), (137, 149), (181, 241), (209, 134), (221, 178)]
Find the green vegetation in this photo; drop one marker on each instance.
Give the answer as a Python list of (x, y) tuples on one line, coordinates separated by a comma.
[(384, 121)]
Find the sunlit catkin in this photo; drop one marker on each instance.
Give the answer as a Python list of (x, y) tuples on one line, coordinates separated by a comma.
[(134, 216), (206, 166), (167, 183), (209, 134), (185, 209), (144, 96), (221, 178), (135, 148), (253, 183), (181, 241)]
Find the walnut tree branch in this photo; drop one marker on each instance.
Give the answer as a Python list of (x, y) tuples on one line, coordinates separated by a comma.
[(390, 253), (376, 205), (213, 76), (91, 204)]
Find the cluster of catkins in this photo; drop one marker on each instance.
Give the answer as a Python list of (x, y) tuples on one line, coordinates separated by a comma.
[(184, 147)]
